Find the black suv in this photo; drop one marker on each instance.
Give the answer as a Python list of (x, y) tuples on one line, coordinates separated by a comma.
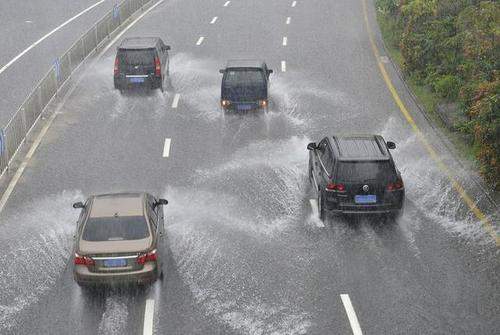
[(245, 85), (355, 174), (141, 61)]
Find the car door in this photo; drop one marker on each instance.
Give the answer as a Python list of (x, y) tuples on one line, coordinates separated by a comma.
[(80, 223), (325, 163), (155, 224), (164, 56)]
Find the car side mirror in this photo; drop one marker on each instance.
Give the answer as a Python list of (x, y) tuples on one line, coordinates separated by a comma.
[(312, 146), (221, 71), (166, 48), (391, 145), (78, 204), (161, 202)]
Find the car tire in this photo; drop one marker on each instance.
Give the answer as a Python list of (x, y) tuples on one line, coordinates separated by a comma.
[(321, 207)]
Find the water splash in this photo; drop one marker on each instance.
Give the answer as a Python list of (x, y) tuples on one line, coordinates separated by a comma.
[(47, 229)]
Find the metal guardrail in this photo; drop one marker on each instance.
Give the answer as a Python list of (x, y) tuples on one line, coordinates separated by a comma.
[(13, 135)]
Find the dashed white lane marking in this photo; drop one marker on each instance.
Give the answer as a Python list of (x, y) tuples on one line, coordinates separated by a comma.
[(288, 19), (28, 21), (200, 40), (351, 314), (294, 3), (175, 102), (285, 40), (314, 209), (6, 66), (283, 66), (166, 147), (149, 312), (227, 3), (213, 20)]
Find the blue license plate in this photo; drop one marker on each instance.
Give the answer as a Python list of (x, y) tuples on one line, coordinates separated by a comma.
[(365, 199), (115, 263), (136, 80), (245, 107)]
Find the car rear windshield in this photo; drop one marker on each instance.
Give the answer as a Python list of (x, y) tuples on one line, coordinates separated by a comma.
[(364, 171), (115, 228), (137, 57), (238, 77)]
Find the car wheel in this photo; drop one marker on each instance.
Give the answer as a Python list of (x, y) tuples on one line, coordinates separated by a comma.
[(321, 206)]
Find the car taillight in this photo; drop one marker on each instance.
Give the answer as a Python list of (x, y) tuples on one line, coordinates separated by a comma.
[(398, 185), (335, 187), (117, 66), (157, 67), (225, 103), (263, 103), (149, 257), (83, 260)]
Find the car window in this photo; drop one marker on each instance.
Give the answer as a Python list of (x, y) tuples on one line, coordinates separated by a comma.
[(235, 77), (115, 228), (381, 171), (137, 57)]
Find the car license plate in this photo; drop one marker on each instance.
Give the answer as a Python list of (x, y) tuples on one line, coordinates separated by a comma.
[(136, 80), (115, 263), (365, 199), (244, 107)]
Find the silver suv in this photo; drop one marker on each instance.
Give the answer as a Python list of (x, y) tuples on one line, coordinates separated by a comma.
[(119, 238)]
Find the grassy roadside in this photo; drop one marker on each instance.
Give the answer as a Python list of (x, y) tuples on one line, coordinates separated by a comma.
[(426, 98)]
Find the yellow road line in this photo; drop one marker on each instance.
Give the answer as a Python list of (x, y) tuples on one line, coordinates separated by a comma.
[(485, 222)]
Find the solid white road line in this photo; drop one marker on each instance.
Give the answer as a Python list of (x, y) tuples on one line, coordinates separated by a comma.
[(288, 20), (166, 147), (351, 314), (200, 40), (294, 3), (175, 103), (314, 209), (213, 20), (6, 66), (22, 167), (227, 3), (285, 41), (283, 66), (149, 311)]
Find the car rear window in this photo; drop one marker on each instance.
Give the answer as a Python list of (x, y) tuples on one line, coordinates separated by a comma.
[(137, 57), (235, 77), (364, 171), (115, 228)]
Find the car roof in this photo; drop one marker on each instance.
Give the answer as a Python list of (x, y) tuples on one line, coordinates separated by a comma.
[(252, 63), (360, 147), (117, 204), (139, 42)]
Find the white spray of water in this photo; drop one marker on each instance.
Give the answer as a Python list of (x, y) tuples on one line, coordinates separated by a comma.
[(47, 227), (114, 318), (430, 190), (215, 244)]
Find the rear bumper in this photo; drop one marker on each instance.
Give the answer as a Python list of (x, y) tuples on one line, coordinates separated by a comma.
[(244, 106), (148, 274), (338, 205), (122, 82)]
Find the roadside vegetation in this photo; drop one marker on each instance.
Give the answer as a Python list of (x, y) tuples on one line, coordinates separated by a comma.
[(449, 51)]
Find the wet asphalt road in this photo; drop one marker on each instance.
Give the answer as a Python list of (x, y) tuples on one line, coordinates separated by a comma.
[(246, 255), (22, 23)]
